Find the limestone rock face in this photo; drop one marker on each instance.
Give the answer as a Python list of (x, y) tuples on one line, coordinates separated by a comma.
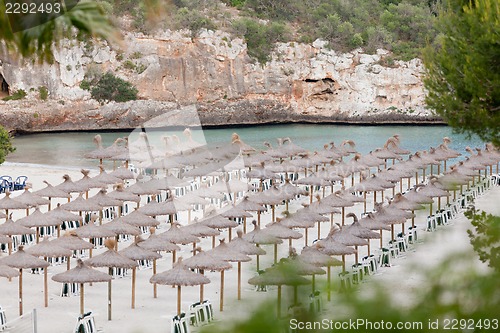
[(214, 74)]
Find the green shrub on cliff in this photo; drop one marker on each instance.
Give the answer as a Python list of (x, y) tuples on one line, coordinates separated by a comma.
[(112, 88), (5, 144)]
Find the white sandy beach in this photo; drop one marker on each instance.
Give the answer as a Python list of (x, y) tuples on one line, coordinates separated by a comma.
[(153, 315)]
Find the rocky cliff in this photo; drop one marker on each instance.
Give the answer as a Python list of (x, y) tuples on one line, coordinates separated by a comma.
[(213, 74)]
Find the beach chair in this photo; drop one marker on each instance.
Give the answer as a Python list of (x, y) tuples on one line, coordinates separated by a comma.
[(179, 324), (385, 258), (3, 319), (70, 289), (20, 183), (7, 183), (86, 324), (345, 281)]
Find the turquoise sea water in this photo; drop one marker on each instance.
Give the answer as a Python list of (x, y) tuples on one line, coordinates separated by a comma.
[(67, 149)]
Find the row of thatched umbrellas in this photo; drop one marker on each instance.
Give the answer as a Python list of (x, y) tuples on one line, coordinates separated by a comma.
[(328, 205)]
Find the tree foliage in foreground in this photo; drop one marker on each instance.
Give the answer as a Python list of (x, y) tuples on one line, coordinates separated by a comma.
[(5, 144), (87, 19), (463, 78)]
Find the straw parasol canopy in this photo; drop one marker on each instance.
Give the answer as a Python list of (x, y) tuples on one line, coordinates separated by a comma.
[(178, 235), (227, 253), (69, 186), (123, 173), (46, 249), (106, 178), (110, 259), (279, 276), (80, 205), (71, 241), (137, 219), (51, 192), (9, 228), (243, 246), (22, 260), (31, 199), (119, 193), (5, 239), (81, 274), (199, 229), (8, 272), (63, 215), (86, 182), (8, 203), (206, 261), (167, 207), (91, 230), (104, 200), (179, 276)]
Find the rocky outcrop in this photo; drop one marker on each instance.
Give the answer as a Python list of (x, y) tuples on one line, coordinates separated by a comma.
[(214, 75)]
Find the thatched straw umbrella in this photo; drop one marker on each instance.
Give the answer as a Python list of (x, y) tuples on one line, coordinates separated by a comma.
[(179, 276), (81, 274), (31, 199), (9, 228), (206, 261), (51, 192), (22, 260), (280, 231), (47, 249), (38, 220), (259, 236), (69, 186), (156, 243), (313, 255), (135, 252), (62, 215), (111, 259), (320, 207), (8, 203), (80, 205), (360, 231), (226, 253), (332, 245), (121, 228), (278, 276), (301, 267), (72, 242), (249, 206), (233, 213), (218, 222), (178, 235), (92, 231), (8, 272)]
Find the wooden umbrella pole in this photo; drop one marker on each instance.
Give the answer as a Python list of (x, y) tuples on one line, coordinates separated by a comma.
[(356, 254), (364, 202), (343, 215), (155, 286), (173, 258), (319, 230), (328, 281), (392, 232), (239, 280), (343, 263), (110, 272), (313, 283), (244, 225), (381, 244), (20, 291), (275, 253), (45, 285), (279, 301), (221, 305), (307, 232), (133, 288), (258, 261), (201, 287), (273, 220), (179, 300), (82, 311), (230, 233)]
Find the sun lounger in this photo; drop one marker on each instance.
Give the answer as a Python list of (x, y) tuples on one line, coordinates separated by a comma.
[(86, 324)]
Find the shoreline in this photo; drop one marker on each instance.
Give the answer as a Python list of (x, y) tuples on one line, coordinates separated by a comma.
[(347, 123)]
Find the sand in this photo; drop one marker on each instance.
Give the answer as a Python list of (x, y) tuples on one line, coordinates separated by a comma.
[(154, 314)]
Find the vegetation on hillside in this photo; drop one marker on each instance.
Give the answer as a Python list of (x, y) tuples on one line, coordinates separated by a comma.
[(402, 26)]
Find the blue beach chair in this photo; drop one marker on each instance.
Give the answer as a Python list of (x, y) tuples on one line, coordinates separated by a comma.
[(20, 183)]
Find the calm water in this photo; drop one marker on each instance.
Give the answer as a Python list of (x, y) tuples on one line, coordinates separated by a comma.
[(67, 149)]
